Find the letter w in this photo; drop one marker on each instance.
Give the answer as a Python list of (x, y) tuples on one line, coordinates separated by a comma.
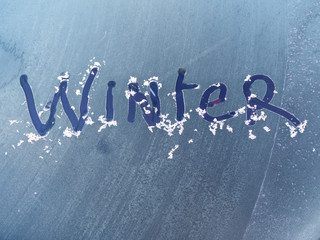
[(77, 124)]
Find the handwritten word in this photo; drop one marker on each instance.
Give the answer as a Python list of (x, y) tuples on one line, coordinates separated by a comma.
[(152, 112)]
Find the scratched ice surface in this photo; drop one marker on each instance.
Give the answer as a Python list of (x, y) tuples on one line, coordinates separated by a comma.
[(125, 182)]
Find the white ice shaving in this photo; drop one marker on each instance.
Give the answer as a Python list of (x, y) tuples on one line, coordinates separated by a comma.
[(151, 128), (32, 137), (173, 94), (146, 83), (97, 64), (252, 96), (256, 117), (241, 110), (166, 124), (266, 129), (294, 130), (132, 80), (46, 149), (89, 121), (201, 111), (251, 136), (19, 143), (247, 78), (215, 124), (213, 128), (190, 141), (14, 121), (170, 154), (129, 93), (230, 129), (103, 120), (302, 126), (146, 111), (68, 132), (63, 77)]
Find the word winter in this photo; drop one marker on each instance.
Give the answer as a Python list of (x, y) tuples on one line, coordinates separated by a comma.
[(151, 112)]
